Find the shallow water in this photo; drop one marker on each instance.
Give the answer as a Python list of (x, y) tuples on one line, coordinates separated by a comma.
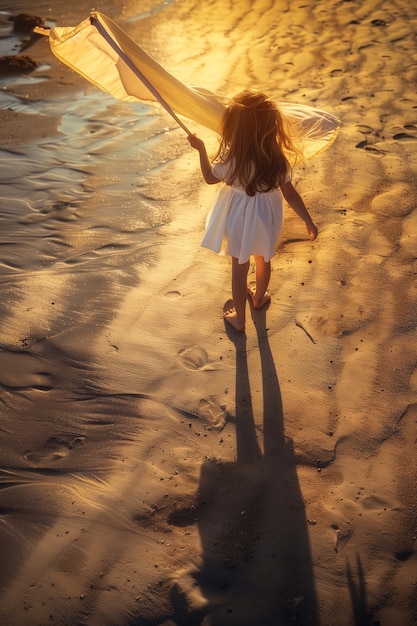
[(101, 144)]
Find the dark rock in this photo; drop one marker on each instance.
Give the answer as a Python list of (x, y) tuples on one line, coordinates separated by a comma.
[(18, 64), (25, 23)]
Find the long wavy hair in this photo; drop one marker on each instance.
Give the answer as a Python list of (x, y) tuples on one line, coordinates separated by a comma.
[(254, 140)]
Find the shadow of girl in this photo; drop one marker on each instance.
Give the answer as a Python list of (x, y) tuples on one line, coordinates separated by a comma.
[(256, 566)]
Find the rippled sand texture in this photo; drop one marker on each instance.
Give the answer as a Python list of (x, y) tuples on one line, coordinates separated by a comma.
[(155, 467)]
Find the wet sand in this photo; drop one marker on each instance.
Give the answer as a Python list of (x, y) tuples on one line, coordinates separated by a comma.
[(157, 467)]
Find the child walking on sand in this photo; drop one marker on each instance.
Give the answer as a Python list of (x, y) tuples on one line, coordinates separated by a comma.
[(247, 216)]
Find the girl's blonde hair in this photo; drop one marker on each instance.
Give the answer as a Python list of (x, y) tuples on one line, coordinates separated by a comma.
[(255, 142)]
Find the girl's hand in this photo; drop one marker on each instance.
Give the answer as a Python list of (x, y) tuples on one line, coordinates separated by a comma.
[(196, 143), (312, 230), (205, 164)]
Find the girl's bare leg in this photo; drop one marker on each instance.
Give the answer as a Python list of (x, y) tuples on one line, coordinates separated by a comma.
[(263, 273), (237, 316)]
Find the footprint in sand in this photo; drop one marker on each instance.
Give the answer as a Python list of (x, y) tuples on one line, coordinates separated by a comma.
[(371, 137), (54, 449), (370, 148), (404, 137), (212, 414), (364, 129), (395, 202), (193, 358)]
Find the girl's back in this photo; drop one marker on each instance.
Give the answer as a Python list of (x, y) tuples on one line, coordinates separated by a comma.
[(253, 140)]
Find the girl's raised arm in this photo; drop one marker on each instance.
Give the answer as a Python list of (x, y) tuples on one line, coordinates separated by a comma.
[(205, 164)]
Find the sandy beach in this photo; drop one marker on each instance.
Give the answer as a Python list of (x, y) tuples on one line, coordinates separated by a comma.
[(157, 467)]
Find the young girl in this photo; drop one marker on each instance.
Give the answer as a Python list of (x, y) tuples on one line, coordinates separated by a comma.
[(248, 215)]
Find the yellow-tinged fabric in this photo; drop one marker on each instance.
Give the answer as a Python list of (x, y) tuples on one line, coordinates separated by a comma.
[(87, 51)]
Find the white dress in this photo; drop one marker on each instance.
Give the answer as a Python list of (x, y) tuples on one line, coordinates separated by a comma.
[(242, 225)]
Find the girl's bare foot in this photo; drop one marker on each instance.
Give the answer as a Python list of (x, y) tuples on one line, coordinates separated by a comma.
[(258, 304), (231, 316)]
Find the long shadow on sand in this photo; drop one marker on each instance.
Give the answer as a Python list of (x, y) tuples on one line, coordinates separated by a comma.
[(256, 566)]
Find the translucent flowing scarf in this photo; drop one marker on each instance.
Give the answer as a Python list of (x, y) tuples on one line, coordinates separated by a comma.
[(106, 56)]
